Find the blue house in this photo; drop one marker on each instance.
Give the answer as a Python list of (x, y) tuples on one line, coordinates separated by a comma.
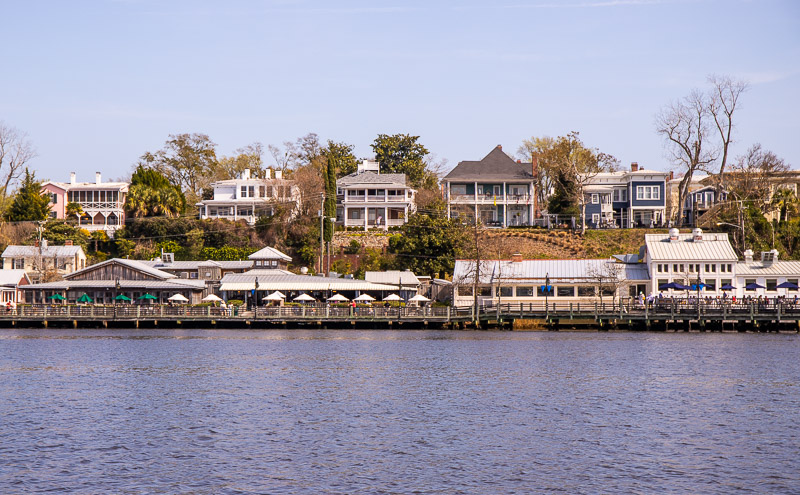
[(626, 199), (699, 201)]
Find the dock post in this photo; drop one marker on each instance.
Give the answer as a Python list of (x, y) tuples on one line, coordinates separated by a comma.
[(751, 312), (570, 311), (138, 313), (595, 311), (448, 314), (646, 318), (672, 310)]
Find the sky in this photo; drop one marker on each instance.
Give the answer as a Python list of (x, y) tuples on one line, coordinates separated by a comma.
[(95, 84)]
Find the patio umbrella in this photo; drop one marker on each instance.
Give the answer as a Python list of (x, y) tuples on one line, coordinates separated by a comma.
[(85, 298), (178, 298), (365, 298), (419, 298), (787, 285), (392, 297), (56, 297), (338, 298), (275, 296), (671, 285), (147, 297), (728, 287), (211, 298), (122, 297), (754, 286), (304, 298)]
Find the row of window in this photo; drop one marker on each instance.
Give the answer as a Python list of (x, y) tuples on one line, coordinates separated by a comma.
[(491, 189), (90, 197), (267, 263), (621, 195), (694, 267), (711, 284), (538, 291), (264, 191)]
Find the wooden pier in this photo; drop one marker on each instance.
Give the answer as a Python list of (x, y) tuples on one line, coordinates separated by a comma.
[(669, 316)]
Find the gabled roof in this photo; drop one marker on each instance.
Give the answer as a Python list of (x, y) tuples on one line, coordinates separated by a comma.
[(393, 277), (11, 278), (372, 178), (133, 264), (713, 247), (269, 253), (194, 265), (494, 166), (47, 251)]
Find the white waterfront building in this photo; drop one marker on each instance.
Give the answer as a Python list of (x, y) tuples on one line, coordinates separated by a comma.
[(369, 199)]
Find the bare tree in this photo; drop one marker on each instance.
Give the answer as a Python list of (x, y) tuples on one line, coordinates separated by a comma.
[(684, 127), (756, 175), (609, 276), (722, 101), (15, 151)]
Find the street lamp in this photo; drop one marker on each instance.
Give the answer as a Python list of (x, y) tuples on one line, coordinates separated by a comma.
[(255, 294), (546, 293), (741, 227)]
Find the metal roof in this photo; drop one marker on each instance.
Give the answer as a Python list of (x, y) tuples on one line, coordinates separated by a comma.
[(535, 271), (290, 282), (193, 265), (713, 247), (372, 178), (775, 269), (392, 277), (47, 251), (269, 253), (11, 277), (174, 284), (134, 264)]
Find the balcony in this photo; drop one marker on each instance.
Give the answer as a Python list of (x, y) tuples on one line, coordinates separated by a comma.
[(375, 199), (484, 199)]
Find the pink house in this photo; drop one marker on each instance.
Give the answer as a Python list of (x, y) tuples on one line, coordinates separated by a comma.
[(101, 202)]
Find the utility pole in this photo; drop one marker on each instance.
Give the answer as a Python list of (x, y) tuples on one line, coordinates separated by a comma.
[(321, 232)]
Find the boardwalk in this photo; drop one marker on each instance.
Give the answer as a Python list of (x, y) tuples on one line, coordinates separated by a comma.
[(669, 315)]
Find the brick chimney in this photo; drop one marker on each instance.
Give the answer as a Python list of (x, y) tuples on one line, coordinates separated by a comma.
[(516, 258), (68, 242), (36, 243), (634, 166), (671, 174), (500, 147)]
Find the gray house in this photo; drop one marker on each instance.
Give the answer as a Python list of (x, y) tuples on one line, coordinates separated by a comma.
[(496, 189)]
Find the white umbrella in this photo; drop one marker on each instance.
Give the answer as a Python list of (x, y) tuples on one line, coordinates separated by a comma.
[(419, 298), (211, 298), (338, 298), (178, 298), (392, 297), (275, 296), (364, 297), (304, 298)]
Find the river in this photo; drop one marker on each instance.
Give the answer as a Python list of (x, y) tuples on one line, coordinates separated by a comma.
[(346, 412)]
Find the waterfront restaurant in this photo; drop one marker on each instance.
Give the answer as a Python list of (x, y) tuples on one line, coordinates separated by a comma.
[(104, 281), (523, 281)]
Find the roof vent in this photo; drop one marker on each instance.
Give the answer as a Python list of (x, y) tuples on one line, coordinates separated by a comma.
[(769, 257), (673, 234), (748, 256), (516, 258), (697, 235), (168, 257)]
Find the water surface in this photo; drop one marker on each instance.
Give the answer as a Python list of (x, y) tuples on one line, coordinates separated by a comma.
[(210, 411)]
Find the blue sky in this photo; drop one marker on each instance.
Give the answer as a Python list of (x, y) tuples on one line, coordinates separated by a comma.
[(97, 83)]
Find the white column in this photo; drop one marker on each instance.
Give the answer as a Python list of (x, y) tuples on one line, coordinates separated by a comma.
[(366, 218), (505, 206)]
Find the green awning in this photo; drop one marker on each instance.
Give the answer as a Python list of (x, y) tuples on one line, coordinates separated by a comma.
[(56, 297), (148, 296), (85, 298), (122, 297)]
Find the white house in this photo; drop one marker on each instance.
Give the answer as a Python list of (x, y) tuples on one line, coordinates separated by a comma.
[(41, 261), (370, 199), (248, 198)]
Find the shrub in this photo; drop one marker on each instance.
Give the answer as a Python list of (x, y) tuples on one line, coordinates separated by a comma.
[(235, 302)]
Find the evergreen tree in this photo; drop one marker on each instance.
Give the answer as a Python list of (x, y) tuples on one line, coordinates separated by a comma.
[(29, 203), (330, 199)]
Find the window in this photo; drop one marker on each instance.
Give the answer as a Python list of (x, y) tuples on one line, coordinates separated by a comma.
[(194, 275), (595, 199), (19, 263), (749, 281), (525, 291), (596, 218), (772, 284), (677, 268), (607, 291), (465, 290), (648, 192), (620, 195), (498, 191), (542, 293), (54, 198), (661, 282), (506, 291), (274, 263), (485, 291), (792, 281), (724, 282), (355, 214), (585, 291), (711, 268), (565, 291), (711, 284), (458, 189)]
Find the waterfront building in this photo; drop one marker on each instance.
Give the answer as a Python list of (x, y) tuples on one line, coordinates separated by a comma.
[(626, 199), (44, 262), (101, 202), (11, 283), (104, 281), (408, 284), (369, 199), (248, 198), (775, 277), (521, 280), (496, 189)]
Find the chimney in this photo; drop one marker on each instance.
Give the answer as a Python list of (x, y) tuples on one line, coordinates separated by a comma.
[(44, 243), (279, 174), (72, 178), (98, 178), (68, 242), (36, 243), (500, 147), (268, 174), (634, 166), (671, 174), (246, 174), (748, 256), (516, 258), (519, 161)]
